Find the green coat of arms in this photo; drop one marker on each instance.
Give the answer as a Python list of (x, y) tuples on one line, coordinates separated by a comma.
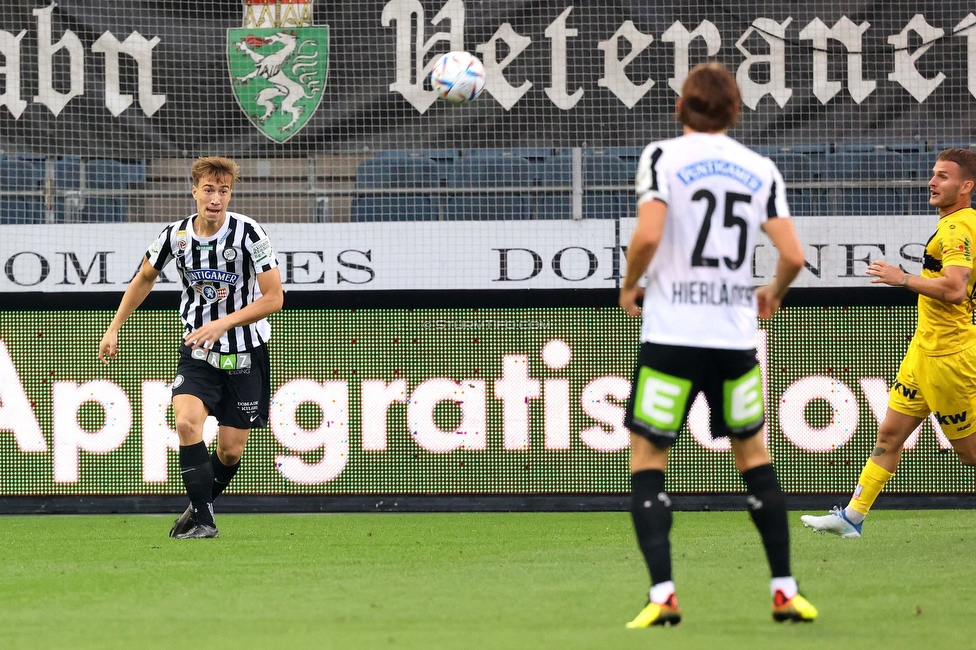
[(279, 75)]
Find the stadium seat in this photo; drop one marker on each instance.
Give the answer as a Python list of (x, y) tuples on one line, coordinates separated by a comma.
[(490, 173), (866, 166), (401, 172), (73, 204), (21, 175), (616, 176), (430, 154), (530, 154), (800, 168), (554, 204)]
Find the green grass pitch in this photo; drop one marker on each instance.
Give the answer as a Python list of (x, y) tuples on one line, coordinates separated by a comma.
[(526, 580)]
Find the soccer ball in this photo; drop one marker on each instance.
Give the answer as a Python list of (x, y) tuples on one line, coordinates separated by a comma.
[(458, 77)]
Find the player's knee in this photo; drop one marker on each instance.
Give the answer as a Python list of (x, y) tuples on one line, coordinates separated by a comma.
[(889, 440), (188, 429), (230, 456)]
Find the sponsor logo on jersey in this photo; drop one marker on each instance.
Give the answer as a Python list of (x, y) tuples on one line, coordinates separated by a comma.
[(697, 171), (213, 275)]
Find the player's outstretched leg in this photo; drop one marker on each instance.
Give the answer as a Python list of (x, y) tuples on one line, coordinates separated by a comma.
[(846, 522), (836, 522)]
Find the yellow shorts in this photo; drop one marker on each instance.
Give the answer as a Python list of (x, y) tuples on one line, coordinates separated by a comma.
[(945, 386)]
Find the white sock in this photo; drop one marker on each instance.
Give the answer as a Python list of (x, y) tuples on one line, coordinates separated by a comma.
[(661, 592), (787, 585), (854, 516)]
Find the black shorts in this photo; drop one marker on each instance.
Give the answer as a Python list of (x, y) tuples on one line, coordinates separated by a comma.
[(236, 391), (669, 377)]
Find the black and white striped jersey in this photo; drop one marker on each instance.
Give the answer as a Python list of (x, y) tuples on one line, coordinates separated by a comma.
[(700, 286), (219, 274)]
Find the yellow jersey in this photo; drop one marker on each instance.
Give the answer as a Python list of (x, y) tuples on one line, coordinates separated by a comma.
[(944, 328)]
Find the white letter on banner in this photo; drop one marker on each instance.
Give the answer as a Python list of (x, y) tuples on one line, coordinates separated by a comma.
[(495, 82), (10, 51), (792, 407), (558, 33), (66, 398), (46, 94), (16, 413), (849, 34), (595, 404), (409, 17), (377, 396), (515, 388), (905, 71), (614, 68), (470, 433), (966, 26), (140, 49), (556, 354), (158, 438), (775, 34), (332, 398), (682, 38)]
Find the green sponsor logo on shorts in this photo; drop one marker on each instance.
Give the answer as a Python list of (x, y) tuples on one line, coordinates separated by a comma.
[(228, 361), (743, 400), (660, 400)]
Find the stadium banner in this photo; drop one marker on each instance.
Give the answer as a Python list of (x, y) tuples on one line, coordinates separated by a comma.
[(296, 76), (488, 255), (445, 402)]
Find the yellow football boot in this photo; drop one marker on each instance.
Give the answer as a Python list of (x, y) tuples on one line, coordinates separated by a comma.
[(653, 614)]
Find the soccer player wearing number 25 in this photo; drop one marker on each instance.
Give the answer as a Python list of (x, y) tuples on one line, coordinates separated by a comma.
[(702, 199), (231, 284), (938, 373)]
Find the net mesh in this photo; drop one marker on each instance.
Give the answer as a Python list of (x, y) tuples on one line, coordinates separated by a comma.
[(328, 108)]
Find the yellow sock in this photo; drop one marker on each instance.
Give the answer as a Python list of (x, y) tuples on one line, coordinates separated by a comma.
[(869, 485)]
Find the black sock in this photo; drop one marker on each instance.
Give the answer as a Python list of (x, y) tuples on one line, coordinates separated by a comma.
[(198, 478), (767, 507), (222, 474), (651, 511)]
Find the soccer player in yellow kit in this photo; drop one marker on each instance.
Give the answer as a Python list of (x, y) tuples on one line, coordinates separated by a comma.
[(938, 373)]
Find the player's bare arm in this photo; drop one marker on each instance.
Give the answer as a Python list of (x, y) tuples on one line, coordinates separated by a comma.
[(135, 294), (950, 287), (643, 244), (271, 301), (782, 234)]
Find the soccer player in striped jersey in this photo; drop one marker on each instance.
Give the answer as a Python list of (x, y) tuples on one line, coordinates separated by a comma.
[(938, 373), (231, 284), (702, 199)]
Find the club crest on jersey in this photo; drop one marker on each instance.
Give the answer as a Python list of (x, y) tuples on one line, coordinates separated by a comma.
[(278, 65), (230, 254)]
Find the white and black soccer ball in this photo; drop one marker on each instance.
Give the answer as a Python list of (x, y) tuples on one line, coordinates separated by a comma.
[(458, 77)]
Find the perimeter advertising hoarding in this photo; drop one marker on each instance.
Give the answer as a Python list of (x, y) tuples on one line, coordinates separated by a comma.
[(444, 401), (442, 255)]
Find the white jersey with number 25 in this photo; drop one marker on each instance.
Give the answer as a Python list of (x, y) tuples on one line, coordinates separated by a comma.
[(699, 288)]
